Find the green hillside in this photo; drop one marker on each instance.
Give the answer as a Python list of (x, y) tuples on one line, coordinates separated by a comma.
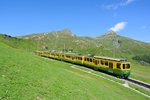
[(19, 43), (25, 76), (62, 40), (101, 45), (126, 47)]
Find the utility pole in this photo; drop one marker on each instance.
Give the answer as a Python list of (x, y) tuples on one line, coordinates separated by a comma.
[(55, 41), (113, 46), (64, 46)]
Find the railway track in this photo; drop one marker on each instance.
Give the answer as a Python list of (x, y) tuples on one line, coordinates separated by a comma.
[(138, 83)]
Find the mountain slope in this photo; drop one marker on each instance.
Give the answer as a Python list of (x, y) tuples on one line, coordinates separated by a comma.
[(25, 76), (62, 40), (18, 43), (102, 45), (125, 47)]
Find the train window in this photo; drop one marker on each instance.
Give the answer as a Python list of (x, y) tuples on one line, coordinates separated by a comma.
[(127, 66), (110, 65), (79, 58), (84, 59), (90, 59), (96, 62), (118, 65), (102, 62), (106, 63), (87, 59), (123, 66)]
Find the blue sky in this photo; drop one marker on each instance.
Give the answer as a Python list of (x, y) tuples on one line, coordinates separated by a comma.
[(130, 18)]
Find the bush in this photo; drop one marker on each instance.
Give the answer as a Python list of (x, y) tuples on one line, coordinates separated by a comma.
[(145, 58)]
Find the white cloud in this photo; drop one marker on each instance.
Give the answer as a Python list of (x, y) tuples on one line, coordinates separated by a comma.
[(115, 6), (119, 26), (110, 6), (127, 2)]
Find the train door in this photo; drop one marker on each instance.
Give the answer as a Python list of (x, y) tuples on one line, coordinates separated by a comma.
[(111, 66)]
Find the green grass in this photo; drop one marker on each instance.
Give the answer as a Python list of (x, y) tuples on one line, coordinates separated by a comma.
[(25, 76), (99, 73), (113, 79), (140, 72), (19, 43), (99, 46), (140, 89)]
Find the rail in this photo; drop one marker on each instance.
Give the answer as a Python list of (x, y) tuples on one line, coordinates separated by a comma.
[(139, 83)]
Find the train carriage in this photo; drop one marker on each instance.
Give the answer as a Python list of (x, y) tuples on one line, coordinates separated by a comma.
[(117, 67)]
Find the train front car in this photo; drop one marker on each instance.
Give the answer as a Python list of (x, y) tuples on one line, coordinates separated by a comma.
[(125, 70), (122, 68), (113, 66)]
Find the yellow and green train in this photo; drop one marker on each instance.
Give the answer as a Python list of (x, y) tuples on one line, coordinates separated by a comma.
[(113, 66)]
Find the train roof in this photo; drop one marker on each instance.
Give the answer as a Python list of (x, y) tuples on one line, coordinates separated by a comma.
[(74, 54), (110, 58), (90, 56)]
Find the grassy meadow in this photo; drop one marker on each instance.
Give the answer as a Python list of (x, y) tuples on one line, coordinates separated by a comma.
[(140, 72), (101, 45), (25, 76)]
